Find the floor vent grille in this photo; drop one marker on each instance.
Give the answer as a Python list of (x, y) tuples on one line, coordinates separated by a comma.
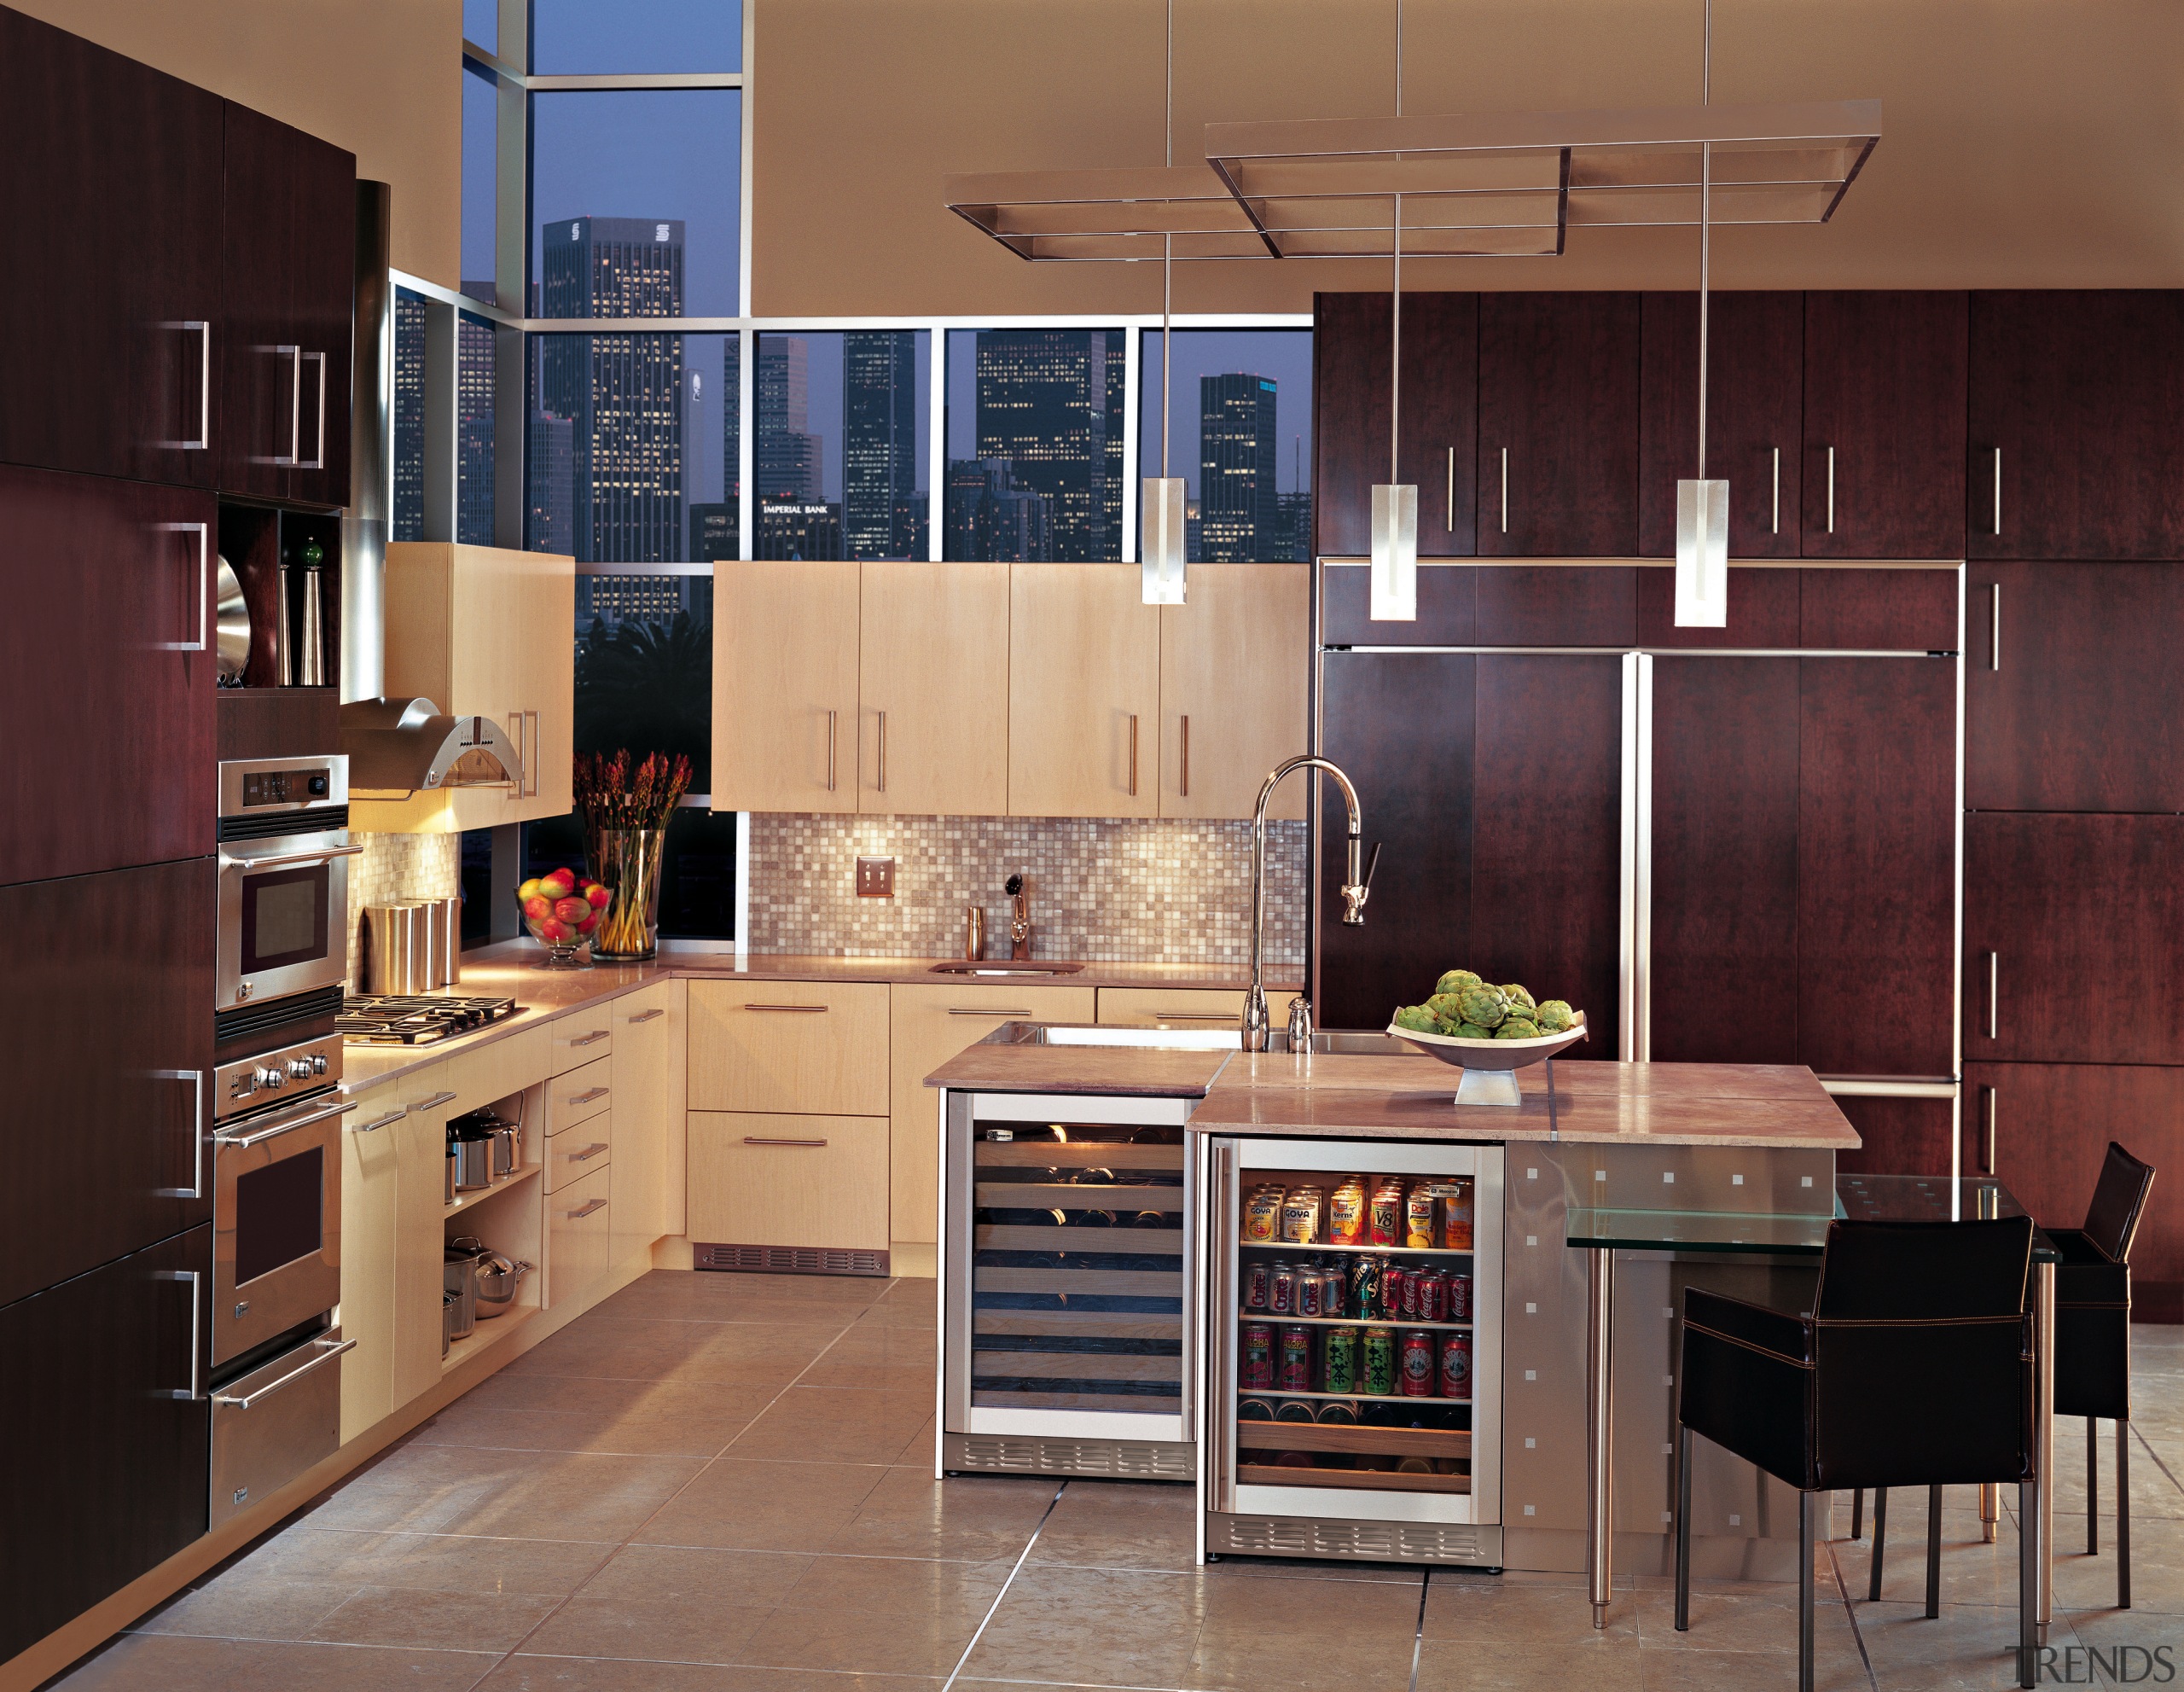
[(1115, 1459), (1266, 1536), (789, 1259)]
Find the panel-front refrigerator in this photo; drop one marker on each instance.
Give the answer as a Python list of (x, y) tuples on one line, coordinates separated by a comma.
[(1353, 1350), (1067, 1237)]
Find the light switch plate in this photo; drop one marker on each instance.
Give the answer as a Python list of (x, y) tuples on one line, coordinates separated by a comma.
[(875, 878)]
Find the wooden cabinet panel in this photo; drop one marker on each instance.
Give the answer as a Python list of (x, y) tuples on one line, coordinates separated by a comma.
[(420, 1210), (1083, 692), (1557, 605), (579, 1237), (1878, 610), (1884, 424), (926, 1027), (1439, 441), (122, 165), (1876, 823), (582, 1036), (581, 1153), (1754, 423), (1167, 1007), (2061, 722), (785, 686), (1725, 860), (2085, 921), (933, 686), (760, 1180), (506, 1067), (1446, 596), (1903, 1137), (1558, 394), (2082, 394), (370, 1201), (108, 579), (1547, 848), (1234, 664), (577, 1095), (1401, 725), (1762, 611), (649, 1081), (2047, 1126), (1351, 391), (789, 1046), (323, 241)]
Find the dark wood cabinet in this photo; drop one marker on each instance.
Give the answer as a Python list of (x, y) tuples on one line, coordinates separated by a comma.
[(1899, 610), (115, 1028), (1755, 421), (2075, 709), (1447, 598), (1877, 821), (2074, 938), (2044, 1128), (1558, 425), (109, 759), (288, 269), (2077, 424), (1763, 610), (1885, 397), (111, 187), (105, 1441), (1903, 1137), (1557, 605)]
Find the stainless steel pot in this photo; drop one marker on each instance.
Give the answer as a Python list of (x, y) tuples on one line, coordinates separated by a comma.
[(498, 1281), (473, 1157), (508, 1149), (459, 1272), (450, 1306)]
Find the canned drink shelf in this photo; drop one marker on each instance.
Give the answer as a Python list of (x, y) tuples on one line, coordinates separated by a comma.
[(1361, 1399), (1349, 1480), (1363, 1439), (1366, 1251), (1275, 1321)]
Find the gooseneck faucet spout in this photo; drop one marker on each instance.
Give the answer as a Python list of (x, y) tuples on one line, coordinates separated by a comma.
[(1356, 884)]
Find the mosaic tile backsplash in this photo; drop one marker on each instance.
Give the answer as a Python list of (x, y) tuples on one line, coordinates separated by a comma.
[(1104, 890), (398, 867)]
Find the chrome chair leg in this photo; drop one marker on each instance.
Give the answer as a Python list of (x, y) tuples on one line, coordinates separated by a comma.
[(1881, 1532), (1933, 1552), (1990, 1509)]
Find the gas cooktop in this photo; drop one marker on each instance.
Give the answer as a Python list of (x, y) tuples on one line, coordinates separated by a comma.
[(416, 1018)]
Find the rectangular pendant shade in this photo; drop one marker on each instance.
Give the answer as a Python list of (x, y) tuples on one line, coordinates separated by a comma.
[(1394, 554), (1160, 541), (1702, 554)]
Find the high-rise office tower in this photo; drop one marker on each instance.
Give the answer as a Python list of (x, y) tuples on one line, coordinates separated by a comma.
[(549, 526), (879, 435), (1050, 402), (474, 431), (731, 439), (1236, 467), (407, 521), (622, 393), (793, 520)]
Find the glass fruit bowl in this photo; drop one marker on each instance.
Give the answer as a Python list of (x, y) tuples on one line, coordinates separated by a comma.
[(560, 910)]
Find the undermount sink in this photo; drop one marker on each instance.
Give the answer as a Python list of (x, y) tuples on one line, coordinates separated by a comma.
[(1003, 967)]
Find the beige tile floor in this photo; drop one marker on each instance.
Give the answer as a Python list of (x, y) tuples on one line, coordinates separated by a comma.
[(718, 1483)]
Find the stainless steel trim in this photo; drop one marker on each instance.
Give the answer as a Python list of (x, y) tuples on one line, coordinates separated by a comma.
[(204, 387), (1599, 1420), (1831, 490), (240, 1142), (195, 1277), (881, 784), (295, 406), (591, 1039), (1133, 754), (531, 764), (1450, 525), (982, 1010), (438, 1098), (379, 1122), (2043, 1515), (204, 589), (1641, 902), (1989, 1097), (1998, 490), (820, 1009), (1889, 1087), (589, 1153), (1505, 490), (1628, 1036), (234, 771), (327, 1350), (1994, 629), (1193, 1017), (762, 1140), (198, 1136), (1184, 787), (586, 1098), (582, 1211), (651, 1015), (1994, 995), (1775, 523), (318, 460), (1219, 1444), (831, 716), (282, 860)]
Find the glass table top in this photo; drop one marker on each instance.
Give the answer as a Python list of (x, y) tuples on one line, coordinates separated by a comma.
[(1858, 1198)]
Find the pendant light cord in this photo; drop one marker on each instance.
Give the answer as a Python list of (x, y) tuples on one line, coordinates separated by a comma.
[(1168, 249), (1706, 213), (1394, 334)]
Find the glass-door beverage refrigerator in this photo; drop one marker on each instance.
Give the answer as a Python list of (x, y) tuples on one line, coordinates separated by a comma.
[(1353, 1350)]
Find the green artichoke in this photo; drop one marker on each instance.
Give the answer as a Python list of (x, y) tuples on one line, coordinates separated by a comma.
[(1555, 1017), (1483, 1005), (1517, 994), (1416, 1018), (1455, 980), (1517, 1028), (1446, 1005), (1471, 1031)]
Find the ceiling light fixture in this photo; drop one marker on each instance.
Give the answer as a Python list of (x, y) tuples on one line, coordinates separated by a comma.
[(1702, 507), (1394, 590), (1164, 565)]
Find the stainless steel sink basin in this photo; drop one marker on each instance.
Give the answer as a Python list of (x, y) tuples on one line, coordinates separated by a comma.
[(1001, 967)]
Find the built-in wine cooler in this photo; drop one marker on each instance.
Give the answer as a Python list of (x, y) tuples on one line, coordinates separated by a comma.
[(1353, 1356), (1066, 1251)]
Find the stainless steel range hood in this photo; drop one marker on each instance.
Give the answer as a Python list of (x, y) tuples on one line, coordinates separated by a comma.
[(400, 747)]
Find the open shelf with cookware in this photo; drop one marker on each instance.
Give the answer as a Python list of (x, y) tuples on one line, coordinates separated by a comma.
[(494, 1233)]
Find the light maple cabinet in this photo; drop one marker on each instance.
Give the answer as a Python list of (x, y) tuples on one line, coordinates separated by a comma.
[(579, 1236), (484, 632), (1233, 664), (815, 1182), (1083, 692), (420, 1209), (926, 1026), (785, 686), (789, 1046), (370, 1177), (934, 698), (1190, 1007), (647, 1184)]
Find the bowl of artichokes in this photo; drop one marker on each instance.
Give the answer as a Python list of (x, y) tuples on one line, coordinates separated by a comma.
[(1488, 1032)]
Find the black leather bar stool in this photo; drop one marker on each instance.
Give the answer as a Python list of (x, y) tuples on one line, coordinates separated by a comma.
[(1913, 1368)]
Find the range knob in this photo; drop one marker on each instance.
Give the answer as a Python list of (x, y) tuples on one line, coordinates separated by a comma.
[(318, 1063), (271, 1079), (299, 1067)]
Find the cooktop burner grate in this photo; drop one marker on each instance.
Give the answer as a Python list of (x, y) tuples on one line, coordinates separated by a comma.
[(416, 1018)]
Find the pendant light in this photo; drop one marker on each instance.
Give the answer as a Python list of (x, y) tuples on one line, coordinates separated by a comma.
[(1162, 571), (1702, 507), (1394, 593)]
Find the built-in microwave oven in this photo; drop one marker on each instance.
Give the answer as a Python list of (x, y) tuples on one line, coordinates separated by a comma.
[(283, 879)]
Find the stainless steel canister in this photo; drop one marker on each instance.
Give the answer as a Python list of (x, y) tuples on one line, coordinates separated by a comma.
[(451, 959), (394, 949)]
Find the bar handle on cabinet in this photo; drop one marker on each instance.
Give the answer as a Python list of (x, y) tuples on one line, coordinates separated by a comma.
[(327, 1350), (203, 642), (761, 1140), (651, 1015), (1183, 788), (1994, 995), (1220, 1343), (1998, 490), (1995, 626), (196, 1079), (293, 457), (582, 1211), (283, 860), (1133, 754), (831, 716), (1776, 520), (880, 785), (438, 1098), (318, 460), (1988, 1095), (591, 1039), (589, 1153), (531, 738), (984, 1010), (587, 1098), (1451, 523), (379, 1122), (239, 1142), (195, 1277), (204, 387), (1831, 490), (1505, 490), (817, 1009), (1193, 1017)]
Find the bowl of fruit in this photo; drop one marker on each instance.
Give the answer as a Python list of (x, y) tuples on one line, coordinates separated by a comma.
[(561, 909), (1488, 1032)]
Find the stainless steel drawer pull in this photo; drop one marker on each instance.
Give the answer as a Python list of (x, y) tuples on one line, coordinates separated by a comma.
[(1133, 754), (589, 1153), (1450, 523), (203, 603), (813, 1009), (880, 785), (197, 1136), (1184, 790), (593, 1038), (586, 1098), (195, 1390), (238, 1142), (1831, 490), (1195, 1015), (1994, 628), (379, 1122), (584, 1211), (440, 1098), (1998, 490), (204, 387), (983, 1010), (647, 1016), (1988, 1096), (757, 1140), (1994, 995), (282, 860), (1776, 521), (830, 751), (1505, 490), (327, 1350)]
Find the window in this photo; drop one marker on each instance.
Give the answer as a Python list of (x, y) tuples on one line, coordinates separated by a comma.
[(482, 23), (407, 520), (1035, 444), (481, 187), (841, 444), (475, 362), (578, 38), (1239, 419)]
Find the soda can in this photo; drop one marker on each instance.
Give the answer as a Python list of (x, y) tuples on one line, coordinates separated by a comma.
[(1456, 1365), (1379, 1373), (1418, 1218), (1281, 1290), (1255, 1350), (1411, 1280), (1340, 1372), (1417, 1364), (1384, 1222), (1392, 1275), (1304, 1294), (1295, 1371), (1364, 1288), (1255, 1286), (1459, 1298), (1456, 1216), (1433, 1296), (1334, 1285)]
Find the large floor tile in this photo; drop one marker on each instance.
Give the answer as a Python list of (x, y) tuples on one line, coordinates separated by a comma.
[(903, 1641), (1104, 1627), (1609, 1664), (2122, 1649), (482, 1619), (963, 1592), (743, 1504), (2154, 1488), (1259, 1636), (143, 1662), (424, 1562), (677, 1434), (2084, 1583), (244, 1604), (588, 1395), (1119, 1524), (564, 1674), (673, 1295), (1741, 1672), (909, 1513), (1745, 1621), (839, 1424), (671, 1604), (1966, 1646), (441, 1489), (907, 1303), (1490, 1611)]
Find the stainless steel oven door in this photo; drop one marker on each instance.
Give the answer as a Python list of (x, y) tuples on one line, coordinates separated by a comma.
[(284, 916), (275, 1423), (276, 1222)]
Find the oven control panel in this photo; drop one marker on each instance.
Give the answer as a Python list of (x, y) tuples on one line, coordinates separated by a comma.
[(248, 1083), (258, 786)]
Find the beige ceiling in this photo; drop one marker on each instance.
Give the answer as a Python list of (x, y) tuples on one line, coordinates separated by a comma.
[(2027, 143)]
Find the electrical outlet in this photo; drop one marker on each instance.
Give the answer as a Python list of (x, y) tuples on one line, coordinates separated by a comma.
[(875, 878)]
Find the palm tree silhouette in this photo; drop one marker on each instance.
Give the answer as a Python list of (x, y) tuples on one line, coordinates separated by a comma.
[(648, 686)]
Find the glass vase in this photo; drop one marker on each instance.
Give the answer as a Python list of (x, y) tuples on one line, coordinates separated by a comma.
[(627, 861)]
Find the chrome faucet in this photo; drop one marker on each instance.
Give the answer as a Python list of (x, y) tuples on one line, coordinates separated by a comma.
[(1019, 889), (1355, 886)]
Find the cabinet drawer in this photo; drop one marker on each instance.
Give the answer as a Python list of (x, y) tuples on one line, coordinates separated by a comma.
[(778, 1180), (577, 1240), (789, 1046), (580, 1037), (493, 1071), (578, 1095), (1201, 1008), (571, 1157)]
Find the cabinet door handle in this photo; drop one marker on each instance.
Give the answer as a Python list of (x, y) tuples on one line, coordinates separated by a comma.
[(317, 462), (379, 1122), (1193, 1017), (1776, 520), (323, 1351), (586, 1098), (1994, 995), (584, 1211), (426, 1104), (1450, 523), (1185, 788), (589, 1153), (813, 1010), (880, 785), (646, 1015), (196, 1279), (1133, 754), (204, 603), (1988, 1095), (196, 1079), (295, 406), (204, 387), (983, 1010), (830, 750), (591, 1039), (530, 743), (1505, 490), (1998, 490), (1995, 626), (1831, 490), (759, 1140), (239, 1142)]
